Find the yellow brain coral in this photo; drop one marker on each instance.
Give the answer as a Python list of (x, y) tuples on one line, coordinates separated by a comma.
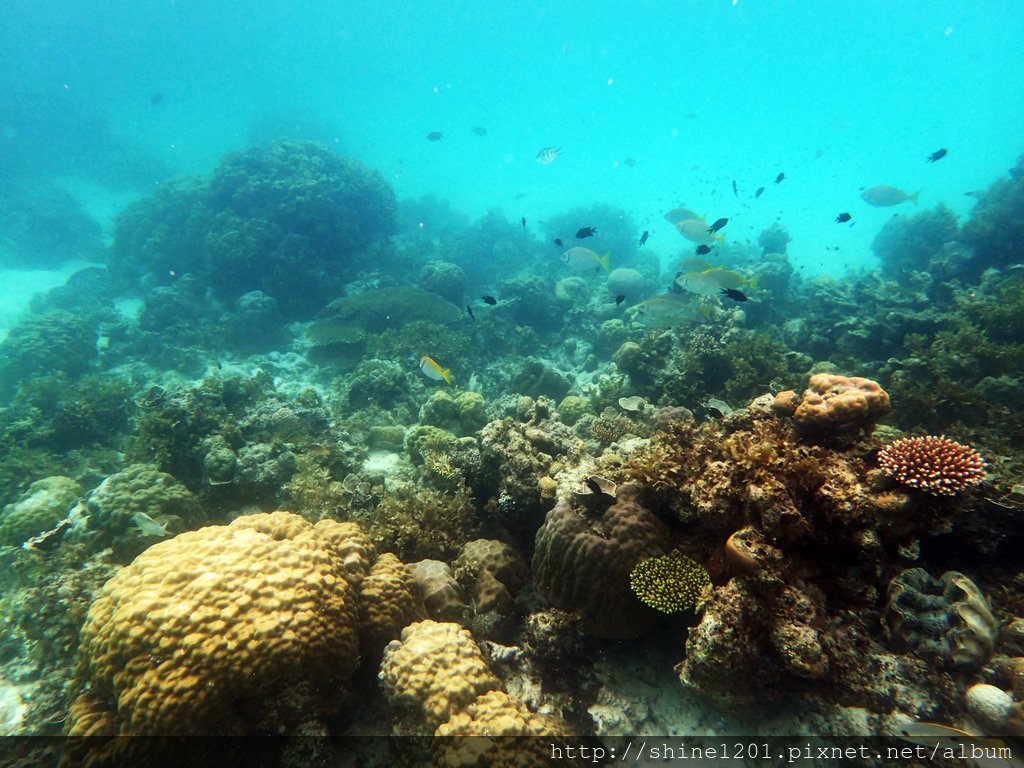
[(196, 626)]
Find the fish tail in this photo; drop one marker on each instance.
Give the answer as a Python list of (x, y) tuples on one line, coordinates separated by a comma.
[(605, 261), (446, 375), (913, 198)]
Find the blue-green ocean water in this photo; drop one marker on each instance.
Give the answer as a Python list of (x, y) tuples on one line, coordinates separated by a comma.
[(113, 98)]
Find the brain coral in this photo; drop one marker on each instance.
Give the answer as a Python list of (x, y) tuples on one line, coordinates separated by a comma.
[(207, 626), (571, 549), (945, 620), (834, 403)]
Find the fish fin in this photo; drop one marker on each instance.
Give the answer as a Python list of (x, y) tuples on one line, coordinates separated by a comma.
[(913, 198), (605, 261), (446, 375), (755, 281)]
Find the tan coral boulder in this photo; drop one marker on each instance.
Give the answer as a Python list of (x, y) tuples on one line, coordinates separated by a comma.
[(202, 628), (834, 404)]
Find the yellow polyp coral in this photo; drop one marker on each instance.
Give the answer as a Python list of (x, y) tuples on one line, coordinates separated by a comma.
[(671, 583), (199, 624)]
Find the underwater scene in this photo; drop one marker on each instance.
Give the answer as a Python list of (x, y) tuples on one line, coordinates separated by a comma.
[(477, 384)]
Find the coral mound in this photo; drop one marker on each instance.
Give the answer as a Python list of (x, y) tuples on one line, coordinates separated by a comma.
[(203, 632), (834, 403), (935, 465)]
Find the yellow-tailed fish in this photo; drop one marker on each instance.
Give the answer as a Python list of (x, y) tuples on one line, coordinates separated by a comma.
[(884, 196), (670, 310), (696, 231), (548, 155), (430, 367), (711, 282), (580, 259)]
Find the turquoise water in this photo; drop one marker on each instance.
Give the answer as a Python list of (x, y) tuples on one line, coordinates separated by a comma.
[(838, 97), (201, 325)]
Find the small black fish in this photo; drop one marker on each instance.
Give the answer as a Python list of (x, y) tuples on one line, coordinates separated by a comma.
[(734, 190), (703, 250), (471, 315), (488, 299), (757, 194), (843, 217), (619, 299), (936, 155), (435, 136), (593, 485), (719, 223), (779, 178), (586, 232), (480, 130), (156, 98), (559, 243), (643, 238), (732, 293), (523, 222)]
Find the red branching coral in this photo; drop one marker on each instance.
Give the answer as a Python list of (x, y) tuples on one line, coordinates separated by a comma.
[(935, 465)]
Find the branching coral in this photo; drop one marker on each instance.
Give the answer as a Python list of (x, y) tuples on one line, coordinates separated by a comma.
[(935, 465), (670, 583)]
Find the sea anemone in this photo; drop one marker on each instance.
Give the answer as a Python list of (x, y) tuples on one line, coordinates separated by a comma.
[(935, 465)]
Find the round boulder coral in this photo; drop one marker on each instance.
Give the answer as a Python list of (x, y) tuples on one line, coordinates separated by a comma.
[(572, 549), (935, 465), (203, 629)]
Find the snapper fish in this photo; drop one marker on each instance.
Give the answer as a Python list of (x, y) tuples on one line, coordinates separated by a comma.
[(884, 196), (581, 259), (670, 310), (712, 282), (432, 370), (548, 155)]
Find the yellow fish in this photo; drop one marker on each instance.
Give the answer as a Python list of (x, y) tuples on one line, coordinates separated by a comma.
[(548, 155), (434, 371)]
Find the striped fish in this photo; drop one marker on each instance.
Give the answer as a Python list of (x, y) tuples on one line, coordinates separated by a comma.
[(548, 155)]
